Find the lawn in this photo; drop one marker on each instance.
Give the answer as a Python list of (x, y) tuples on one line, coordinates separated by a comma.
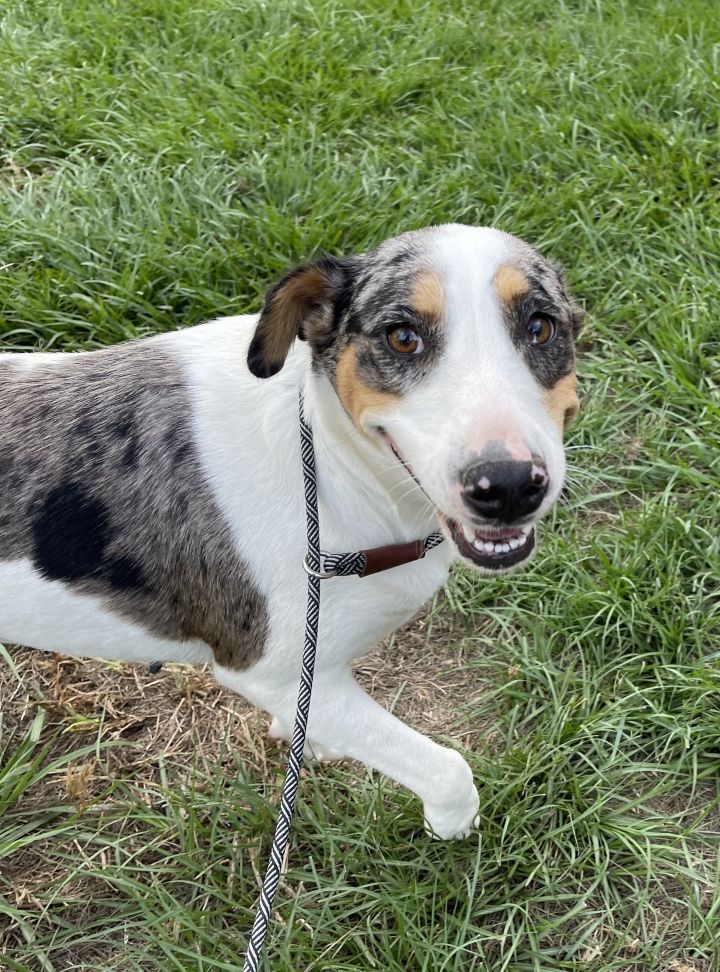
[(161, 162)]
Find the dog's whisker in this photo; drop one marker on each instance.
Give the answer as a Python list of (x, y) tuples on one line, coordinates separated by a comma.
[(413, 488)]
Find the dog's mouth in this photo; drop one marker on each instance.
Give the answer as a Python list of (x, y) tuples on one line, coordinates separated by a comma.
[(489, 548)]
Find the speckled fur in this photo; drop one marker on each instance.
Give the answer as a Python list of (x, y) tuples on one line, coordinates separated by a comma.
[(546, 294), (100, 486)]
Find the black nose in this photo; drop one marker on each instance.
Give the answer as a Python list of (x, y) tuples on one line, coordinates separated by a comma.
[(505, 491)]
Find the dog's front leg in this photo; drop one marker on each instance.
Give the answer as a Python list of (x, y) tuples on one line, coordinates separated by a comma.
[(343, 716), (344, 719)]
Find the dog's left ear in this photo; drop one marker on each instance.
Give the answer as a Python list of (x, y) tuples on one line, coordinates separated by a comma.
[(301, 304)]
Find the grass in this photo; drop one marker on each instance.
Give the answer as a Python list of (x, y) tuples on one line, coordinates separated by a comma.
[(163, 163)]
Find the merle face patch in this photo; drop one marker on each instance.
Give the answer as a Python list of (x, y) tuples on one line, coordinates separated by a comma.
[(101, 488), (388, 289), (337, 304), (544, 295)]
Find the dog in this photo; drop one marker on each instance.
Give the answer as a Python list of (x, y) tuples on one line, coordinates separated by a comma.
[(151, 494)]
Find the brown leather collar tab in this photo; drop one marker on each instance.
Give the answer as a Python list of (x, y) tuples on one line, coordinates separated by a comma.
[(391, 555)]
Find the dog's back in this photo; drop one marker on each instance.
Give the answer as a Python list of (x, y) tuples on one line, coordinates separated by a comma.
[(102, 493)]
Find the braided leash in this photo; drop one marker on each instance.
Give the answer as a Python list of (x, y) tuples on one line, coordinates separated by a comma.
[(292, 775), (318, 567)]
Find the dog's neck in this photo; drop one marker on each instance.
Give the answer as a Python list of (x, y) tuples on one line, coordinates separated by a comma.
[(350, 462)]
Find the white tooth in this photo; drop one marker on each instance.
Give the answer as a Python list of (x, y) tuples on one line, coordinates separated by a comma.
[(478, 543), (498, 548), (489, 547), (506, 548), (515, 543), (469, 534)]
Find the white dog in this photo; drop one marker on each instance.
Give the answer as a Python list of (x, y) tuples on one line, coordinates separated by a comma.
[(151, 495)]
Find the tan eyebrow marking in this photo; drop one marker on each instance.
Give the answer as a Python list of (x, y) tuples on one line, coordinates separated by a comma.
[(510, 283), (427, 295)]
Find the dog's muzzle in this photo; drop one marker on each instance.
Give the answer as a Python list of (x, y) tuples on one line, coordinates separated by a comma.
[(490, 549)]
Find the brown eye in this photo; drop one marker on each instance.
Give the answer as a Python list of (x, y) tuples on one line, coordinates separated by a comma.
[(540, 329), (405, 340)]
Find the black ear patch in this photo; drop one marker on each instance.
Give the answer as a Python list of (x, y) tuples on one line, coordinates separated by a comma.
[(300, 305), (258, 363)]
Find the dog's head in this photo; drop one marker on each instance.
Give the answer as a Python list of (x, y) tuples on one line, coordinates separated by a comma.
[(453, 349)]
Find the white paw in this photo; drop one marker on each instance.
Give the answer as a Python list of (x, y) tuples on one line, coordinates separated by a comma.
[(278, 729), (457, 815), (313, 752), (452, 824)]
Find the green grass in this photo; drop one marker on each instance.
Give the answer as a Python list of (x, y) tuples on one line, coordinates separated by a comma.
[(163, 162)]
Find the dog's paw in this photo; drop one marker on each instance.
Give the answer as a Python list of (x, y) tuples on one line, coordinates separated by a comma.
[(278, 729), (456, 816), (451, 824), (313, 752)]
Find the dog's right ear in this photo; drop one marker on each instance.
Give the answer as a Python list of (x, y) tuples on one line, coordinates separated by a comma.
[(300, 305)]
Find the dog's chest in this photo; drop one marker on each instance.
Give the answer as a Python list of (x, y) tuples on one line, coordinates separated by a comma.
[(356, 613)]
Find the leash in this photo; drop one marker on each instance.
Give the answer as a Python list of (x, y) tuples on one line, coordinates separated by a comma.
[(319, 566)]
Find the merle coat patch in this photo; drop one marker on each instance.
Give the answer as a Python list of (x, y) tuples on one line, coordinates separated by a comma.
[(101, 487)]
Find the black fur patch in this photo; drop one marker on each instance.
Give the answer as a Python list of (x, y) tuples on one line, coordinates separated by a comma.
[(258, 363), (123, 574), (70, 534)]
